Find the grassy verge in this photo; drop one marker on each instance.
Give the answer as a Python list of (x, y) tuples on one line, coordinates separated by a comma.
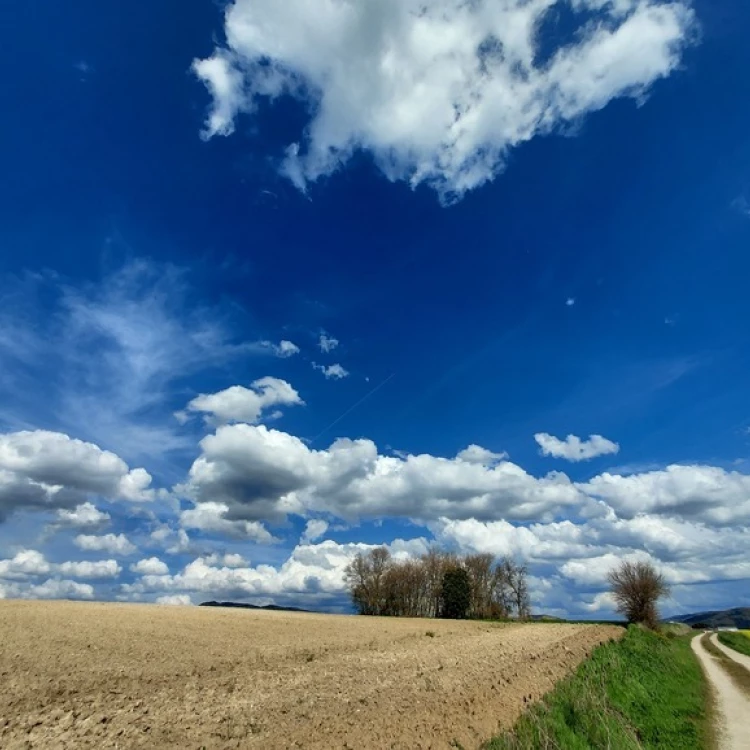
[(740, 676), (737, 641), (644, 691)]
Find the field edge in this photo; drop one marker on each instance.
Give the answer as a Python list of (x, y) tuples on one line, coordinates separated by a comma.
[(646, 690)]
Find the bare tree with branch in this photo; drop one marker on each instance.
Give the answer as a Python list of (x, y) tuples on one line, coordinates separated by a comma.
[(637, 588)]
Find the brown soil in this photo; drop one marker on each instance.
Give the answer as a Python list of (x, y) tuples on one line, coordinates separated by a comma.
[(129, 676)]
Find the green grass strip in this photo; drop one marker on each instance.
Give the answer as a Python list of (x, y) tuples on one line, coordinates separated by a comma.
[(740, 676), (737, 641), (644, 691)]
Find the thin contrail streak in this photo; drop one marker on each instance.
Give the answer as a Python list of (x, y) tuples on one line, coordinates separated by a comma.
[(352, 408)]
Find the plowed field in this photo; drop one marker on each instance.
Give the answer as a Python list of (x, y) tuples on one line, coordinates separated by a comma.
[(76, 675)]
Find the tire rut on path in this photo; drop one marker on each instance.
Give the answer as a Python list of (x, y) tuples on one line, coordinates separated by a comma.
[(732, 705)]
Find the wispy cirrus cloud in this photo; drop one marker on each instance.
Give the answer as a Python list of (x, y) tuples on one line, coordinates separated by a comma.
[(741, 204), (283, 350), (327, 343), (106, 360)]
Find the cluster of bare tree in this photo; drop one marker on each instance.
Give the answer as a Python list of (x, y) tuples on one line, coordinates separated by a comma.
[(442, 584), (380, 585)]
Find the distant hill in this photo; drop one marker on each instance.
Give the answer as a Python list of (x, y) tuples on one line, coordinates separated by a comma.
[(727, 618), (236, 605)]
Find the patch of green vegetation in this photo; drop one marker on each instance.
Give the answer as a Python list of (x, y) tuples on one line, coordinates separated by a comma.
[(643, 691), (740, 676), (737, 641), (675, 629)]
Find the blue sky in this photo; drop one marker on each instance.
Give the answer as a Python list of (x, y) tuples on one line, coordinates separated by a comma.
[(517, 221)]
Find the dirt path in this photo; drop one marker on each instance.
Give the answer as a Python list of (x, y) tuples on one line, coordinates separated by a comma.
[(124, 676), (731, 653), (733, 707)]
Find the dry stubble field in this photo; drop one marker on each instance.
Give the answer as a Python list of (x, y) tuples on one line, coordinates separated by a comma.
[(75, 675)]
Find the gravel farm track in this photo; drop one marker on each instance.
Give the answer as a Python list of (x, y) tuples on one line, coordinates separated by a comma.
[(89, 675)]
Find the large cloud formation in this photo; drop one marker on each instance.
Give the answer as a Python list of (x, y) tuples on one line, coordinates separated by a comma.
[(262, 474), (312, 573), (438, 91), (20, 574), (249, 483)]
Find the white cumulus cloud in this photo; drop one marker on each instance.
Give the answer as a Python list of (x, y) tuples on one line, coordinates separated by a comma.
[(240, 404), (227, 560), (25, 563), (475, 454), (332, 372), (89, 570), (152, 566), (33, 564), (311, 570), (575, 449), (708, 493), (45, 470), (115, 544), (314, 530), (537, 542), (84, 517), (212, 517), (56, 588), (438, 91)]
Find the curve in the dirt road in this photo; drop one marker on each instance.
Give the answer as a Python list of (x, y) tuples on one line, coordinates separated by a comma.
[(731, 654), (732, 705)]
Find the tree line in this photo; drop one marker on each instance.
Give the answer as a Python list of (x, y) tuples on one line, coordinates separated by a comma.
[(438, 584)]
